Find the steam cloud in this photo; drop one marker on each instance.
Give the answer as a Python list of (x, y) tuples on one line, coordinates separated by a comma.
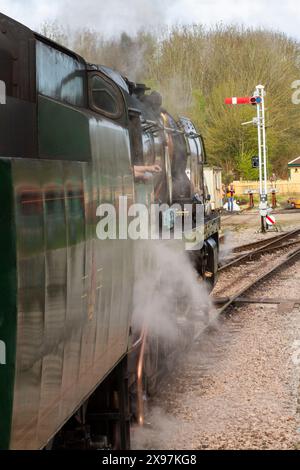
[(167, 291), (159, 433), (226, 248)]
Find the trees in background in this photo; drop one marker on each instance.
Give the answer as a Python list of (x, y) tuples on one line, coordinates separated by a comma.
[(195, 68)]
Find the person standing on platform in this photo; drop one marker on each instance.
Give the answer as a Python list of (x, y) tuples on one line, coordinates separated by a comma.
[(230, 197)]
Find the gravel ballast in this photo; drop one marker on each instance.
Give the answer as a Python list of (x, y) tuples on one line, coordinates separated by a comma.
[(238, 388)]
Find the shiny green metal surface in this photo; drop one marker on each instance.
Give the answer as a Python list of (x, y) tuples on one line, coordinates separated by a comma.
[(63, 131), (74, 291)]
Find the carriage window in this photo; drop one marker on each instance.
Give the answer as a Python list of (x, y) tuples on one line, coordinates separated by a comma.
[(59, 76), (105, 97)]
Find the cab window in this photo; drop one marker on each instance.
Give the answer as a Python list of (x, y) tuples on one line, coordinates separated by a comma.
[(105, 97), (60, 76)]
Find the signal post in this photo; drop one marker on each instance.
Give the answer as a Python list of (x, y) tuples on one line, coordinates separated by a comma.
[(258, 100)]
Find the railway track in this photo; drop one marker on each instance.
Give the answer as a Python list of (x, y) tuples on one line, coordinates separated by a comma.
[(244, 295), (258, 243), (229, 372), (257, 249), (223, 304)]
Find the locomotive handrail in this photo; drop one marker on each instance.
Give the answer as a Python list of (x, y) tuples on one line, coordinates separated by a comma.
[(160, 127)]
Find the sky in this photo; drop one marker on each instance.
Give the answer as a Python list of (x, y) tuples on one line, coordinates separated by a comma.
[(112, 17)]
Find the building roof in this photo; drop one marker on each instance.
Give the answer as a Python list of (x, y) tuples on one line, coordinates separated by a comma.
[(295, 162)]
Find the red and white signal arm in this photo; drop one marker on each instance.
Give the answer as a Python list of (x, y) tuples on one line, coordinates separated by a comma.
[(270, 219), (238, 100), (254, 100)]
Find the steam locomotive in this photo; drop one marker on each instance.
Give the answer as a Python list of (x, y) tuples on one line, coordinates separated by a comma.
[(71, 136)]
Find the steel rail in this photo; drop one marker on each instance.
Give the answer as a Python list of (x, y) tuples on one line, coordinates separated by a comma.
[(269, 246), (264, 277), (258, 243)]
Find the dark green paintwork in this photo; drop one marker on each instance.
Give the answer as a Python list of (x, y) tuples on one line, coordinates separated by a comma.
[(63, 131), (8, 300), (74, 291)]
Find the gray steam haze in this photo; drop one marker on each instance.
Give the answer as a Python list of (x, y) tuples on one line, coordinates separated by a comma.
[(167, 292), (160, 431), (115, 16), (168, 299), (226, 248)]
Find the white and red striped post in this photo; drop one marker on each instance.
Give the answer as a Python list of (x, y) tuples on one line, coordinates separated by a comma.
[(258, 99), (262, 153)]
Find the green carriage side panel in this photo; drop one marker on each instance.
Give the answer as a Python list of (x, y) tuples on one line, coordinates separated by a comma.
[(8, 312), (63, 131), (74, 291), (30, 236)]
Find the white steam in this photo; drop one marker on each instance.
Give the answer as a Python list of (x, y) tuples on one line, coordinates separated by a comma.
[(173, 304), (226, 248), (167, 291), (158, 431)]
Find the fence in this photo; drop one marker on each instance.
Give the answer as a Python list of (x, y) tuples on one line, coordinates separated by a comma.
[(283, 187)]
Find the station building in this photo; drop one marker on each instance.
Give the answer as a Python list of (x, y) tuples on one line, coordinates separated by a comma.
[(294, 170)]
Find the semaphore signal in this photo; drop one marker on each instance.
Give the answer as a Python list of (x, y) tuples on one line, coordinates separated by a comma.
[(258, 100), (254, 100)]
